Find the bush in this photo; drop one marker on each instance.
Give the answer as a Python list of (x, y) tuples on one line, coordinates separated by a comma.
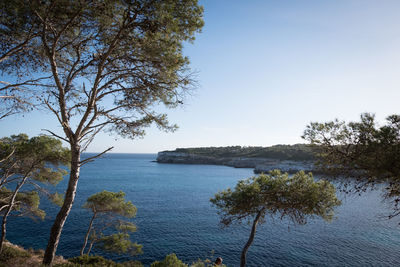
[(95, 261), (173, 261), (170, 260), (132, 264), (11, 253), (87, 260)]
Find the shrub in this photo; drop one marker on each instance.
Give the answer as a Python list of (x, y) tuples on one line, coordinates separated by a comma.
[(170, 260), (95, 261), (11, 253)]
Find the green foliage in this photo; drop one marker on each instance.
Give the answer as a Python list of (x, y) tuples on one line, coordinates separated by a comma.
[(13, 51), (372, 151), (15, 21), (89, 261), (364, 151), (10, 252), (33, 159), (23, 160), (131, 264), (297, 197), (170, 260), (281, 152), (129, 52), (119, 243), (125, 227), (110, 202), (100, 65), (57, 198), (27, 203), (109, 209)]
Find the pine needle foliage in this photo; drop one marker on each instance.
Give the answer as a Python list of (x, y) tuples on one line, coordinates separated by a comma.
[(361, 154), (110, 211), (297, 198)]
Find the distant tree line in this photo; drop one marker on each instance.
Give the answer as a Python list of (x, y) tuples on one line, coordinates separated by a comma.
[(281, 152)]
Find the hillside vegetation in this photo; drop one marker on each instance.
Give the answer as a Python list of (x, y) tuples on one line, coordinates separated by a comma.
[(281, 152), (16, 256)]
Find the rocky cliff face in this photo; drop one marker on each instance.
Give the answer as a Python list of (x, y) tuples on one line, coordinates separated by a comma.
[(259, 164)]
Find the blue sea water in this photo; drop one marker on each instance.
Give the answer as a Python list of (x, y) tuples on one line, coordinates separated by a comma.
[(175, 216)]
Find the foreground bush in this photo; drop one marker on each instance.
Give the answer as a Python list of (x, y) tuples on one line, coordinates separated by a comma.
[(169, 261), (9, 253), (172, 260), (16, 256), (95, 261)]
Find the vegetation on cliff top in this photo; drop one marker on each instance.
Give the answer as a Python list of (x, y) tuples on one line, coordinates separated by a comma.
[(281, 152)]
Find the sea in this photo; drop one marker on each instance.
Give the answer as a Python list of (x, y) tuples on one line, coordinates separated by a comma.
[(174, 215)]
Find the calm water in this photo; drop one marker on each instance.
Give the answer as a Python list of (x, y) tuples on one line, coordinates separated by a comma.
[(175, 216)]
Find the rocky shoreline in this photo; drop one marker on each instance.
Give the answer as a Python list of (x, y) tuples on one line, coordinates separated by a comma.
[(259, 165)]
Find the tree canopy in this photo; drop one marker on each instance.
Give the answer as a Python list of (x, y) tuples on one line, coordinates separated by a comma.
[(298, 198), (26, 203), (98, 65), (82, 56), (110, 210), (33, 160), (41, 158), (17, 35), (365, 152), (170, 260)]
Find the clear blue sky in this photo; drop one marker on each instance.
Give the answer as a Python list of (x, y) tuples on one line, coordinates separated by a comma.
[(268, 68)]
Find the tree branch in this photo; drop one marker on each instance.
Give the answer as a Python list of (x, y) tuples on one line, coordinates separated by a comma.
[(90, 159), (55, 135)]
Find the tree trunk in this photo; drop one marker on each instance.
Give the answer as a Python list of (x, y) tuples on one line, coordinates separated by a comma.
[(9, 209), (62, 215), (87, 234), (251, 238), (90, 247)]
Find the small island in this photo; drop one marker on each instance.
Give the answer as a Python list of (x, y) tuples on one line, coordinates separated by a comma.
[(288, 158)]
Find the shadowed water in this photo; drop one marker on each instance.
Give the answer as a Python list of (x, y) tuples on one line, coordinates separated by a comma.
[(175, 216)]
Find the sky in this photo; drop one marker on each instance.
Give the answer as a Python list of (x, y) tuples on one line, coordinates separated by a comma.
[(266, 69)]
